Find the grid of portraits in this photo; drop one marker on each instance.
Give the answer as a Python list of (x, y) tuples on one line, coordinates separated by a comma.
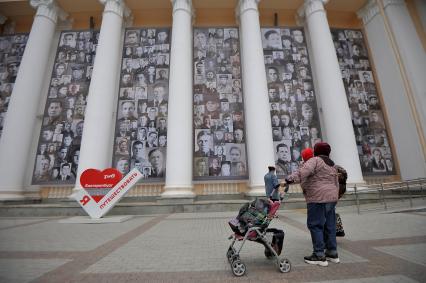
[(219, 135), (11, 50), (62, 123), (293, 108), (141, 126), (367, 116)]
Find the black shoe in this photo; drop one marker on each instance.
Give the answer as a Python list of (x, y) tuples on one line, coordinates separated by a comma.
[(332, 258), (340, 234), (314, 259)]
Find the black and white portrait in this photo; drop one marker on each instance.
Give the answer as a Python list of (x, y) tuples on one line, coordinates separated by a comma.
[(11, 50), (218, 106), (368, 120), (142, 106), (63, 119), (271, 39), (291, 95)]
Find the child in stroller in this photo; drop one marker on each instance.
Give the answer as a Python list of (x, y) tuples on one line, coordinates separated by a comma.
[(252, 224)]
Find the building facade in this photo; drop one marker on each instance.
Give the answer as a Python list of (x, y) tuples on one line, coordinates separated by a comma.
[(201, 96)]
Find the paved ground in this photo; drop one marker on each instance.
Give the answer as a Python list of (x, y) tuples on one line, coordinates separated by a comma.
[(379, 247)]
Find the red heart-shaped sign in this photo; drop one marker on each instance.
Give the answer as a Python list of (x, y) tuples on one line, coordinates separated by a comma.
[(95, 179)]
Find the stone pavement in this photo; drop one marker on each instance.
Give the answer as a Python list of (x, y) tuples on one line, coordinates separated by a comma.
[(190, 247)]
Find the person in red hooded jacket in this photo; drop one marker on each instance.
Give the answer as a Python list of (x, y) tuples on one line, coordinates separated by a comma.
[(307, 154)]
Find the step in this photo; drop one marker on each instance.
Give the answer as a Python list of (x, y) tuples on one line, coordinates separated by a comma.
[(144, 206)]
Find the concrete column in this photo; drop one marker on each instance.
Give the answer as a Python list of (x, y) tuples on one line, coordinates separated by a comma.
[(336, 113), (20, 122), (95, 151), (394, 95), (179, 134), (260, 148), (413, 57)]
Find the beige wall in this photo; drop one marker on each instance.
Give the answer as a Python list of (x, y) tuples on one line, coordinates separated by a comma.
[(284, 17), (203, 17), (152, 17), (82, 20)]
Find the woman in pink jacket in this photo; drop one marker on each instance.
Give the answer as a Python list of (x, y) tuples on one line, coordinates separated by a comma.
[(320, 186)]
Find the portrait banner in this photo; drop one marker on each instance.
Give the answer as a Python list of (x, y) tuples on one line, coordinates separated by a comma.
[(58, 148), (12, 49), (293, 106), (219, 130), (371, 136), (142, 111)]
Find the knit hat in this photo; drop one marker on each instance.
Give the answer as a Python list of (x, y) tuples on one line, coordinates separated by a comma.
[(322, 148), (307, 153)]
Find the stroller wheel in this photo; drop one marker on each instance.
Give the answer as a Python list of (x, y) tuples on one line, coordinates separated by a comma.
[(238, 268), (284, 265), (230, 254)]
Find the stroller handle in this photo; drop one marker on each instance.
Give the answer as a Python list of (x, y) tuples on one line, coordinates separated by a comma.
[(286, 187)]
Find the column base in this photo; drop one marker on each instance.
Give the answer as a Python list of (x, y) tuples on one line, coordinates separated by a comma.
[(351, 182), (10, 194), (177, 194), (73, 192), (256, 191)]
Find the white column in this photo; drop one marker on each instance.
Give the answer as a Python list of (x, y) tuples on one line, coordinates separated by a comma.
[(95, 151), (400, 117), (20, 121), (179, 134), (336, 113), (260, 148), (412, 54)]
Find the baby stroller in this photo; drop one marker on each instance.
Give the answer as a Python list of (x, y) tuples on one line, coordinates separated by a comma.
[(252, 224)]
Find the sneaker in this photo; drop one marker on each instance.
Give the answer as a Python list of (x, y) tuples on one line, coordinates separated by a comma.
[(340, 234), (314, 259), (332, 258)]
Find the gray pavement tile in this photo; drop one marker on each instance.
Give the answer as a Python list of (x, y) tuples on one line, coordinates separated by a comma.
[(10, 222), (200, 245), (197, 242), (375, 225), (414, 253), (392, 205), (54, 236), (225, 215), (383, 226), (25, 270), (379, 279)]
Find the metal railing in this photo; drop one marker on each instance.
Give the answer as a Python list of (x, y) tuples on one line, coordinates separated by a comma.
[(388, 193)]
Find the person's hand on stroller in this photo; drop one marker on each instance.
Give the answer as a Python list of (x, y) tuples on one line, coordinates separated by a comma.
[(286, 186)]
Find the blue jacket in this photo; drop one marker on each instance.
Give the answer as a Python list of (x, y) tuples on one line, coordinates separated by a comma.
[(271, 181)]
